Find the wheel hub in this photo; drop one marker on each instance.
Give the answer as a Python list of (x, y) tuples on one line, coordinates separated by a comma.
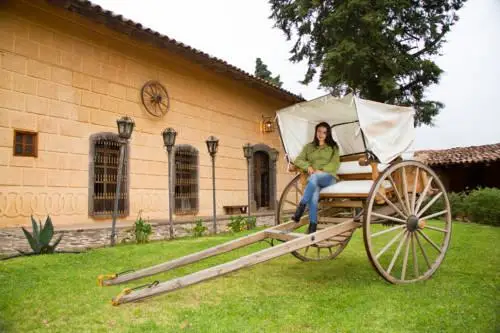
[(412, 223)]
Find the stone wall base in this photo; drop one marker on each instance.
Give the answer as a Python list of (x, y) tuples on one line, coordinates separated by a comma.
[(83, 239)]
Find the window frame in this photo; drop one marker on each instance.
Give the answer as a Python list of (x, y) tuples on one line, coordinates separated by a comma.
[(125, 188), (178, 210), (25, 133)]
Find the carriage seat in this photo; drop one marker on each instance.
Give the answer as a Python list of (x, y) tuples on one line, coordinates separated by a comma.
[(351, 188), (355, 179)]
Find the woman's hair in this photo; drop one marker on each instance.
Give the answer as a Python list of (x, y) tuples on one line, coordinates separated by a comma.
[(329, 138)]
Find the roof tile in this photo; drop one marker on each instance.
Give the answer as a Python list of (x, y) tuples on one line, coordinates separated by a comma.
[(460, 155)]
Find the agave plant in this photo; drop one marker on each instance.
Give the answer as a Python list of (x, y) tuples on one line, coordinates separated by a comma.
[(40, 239)]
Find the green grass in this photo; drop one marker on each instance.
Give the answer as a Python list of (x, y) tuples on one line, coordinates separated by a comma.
[(58, 293)]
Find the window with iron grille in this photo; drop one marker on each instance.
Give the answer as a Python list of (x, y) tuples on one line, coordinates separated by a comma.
[(103, 176), (186, 180), (25, 143)]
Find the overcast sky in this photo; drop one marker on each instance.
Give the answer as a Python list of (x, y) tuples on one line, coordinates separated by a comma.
[(238, 31)]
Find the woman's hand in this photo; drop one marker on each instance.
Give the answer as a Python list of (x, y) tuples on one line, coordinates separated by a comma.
[(310, 170)]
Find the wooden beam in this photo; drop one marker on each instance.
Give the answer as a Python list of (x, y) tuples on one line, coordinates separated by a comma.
[(191, 258), (283, 235), (246, 261)]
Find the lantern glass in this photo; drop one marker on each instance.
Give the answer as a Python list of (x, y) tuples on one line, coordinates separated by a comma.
[(125, 127), (247, 150), (267, 124), (273, 154), (169, 135), (212, 145)]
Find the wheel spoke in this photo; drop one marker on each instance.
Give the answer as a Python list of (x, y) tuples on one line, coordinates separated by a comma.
[(414, 250), (393, 184), (291, 203), (424, 193), (396, 255), (318, 254), (405, 188), (414, 194), (429, 240), (151, 89), (422, 249), (388, 230), (436, 228), (299, 190), (430, 203), (434, 215), (395, 219), (389, 244), (392, 205), (405, 260)]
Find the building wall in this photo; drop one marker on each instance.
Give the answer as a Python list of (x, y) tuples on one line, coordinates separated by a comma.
[(67, 78)]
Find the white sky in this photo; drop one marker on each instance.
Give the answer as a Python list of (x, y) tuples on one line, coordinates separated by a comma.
[(239, 31)]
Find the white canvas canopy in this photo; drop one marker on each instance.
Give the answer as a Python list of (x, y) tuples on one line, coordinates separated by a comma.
[(357, 124)]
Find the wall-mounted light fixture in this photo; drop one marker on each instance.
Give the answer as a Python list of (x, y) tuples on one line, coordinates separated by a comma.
[(266, 124)]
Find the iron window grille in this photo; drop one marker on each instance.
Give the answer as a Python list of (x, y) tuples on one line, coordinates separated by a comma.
[(186, 180), (103, 176)]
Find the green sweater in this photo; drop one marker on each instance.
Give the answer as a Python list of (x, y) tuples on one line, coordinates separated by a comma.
[(323, 158)]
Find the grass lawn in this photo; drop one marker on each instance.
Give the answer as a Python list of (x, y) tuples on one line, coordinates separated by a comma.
[(58, 293)]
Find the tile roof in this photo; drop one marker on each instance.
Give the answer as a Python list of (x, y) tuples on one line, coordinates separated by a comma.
[(138, 31), (460, 155)]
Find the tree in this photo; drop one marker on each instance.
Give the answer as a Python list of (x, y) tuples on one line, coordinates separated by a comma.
[(262, 72), (379, 49)]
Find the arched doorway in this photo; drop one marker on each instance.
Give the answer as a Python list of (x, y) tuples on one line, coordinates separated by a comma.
[(261, 180)]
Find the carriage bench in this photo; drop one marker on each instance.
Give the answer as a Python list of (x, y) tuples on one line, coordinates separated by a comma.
[(235, 209)]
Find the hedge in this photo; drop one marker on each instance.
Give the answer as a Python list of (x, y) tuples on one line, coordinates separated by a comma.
[(481, 205)]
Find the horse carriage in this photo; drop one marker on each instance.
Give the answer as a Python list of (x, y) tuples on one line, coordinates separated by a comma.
[(400, 204)]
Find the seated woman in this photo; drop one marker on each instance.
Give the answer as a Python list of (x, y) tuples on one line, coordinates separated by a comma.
[(321, 160)]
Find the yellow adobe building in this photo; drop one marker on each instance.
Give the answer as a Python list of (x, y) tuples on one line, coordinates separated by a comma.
[(69, 70)]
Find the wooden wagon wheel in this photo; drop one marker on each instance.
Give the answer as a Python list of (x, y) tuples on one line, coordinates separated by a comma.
[(155, 98), (407, 230), (328, 249)]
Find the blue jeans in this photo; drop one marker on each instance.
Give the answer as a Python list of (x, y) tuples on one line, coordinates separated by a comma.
[(315, 183)]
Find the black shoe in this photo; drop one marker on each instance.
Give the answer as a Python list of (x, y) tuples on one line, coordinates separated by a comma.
[(312, 228), (299, 212)]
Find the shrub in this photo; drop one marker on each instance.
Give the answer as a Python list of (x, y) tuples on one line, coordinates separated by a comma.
[(199, 229), (239, 223), (39, 240), (483, 206), (457, 204), (251, 222), (142, 230)]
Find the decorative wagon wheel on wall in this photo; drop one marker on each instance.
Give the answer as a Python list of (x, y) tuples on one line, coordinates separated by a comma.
[(328, 249), (407, 234), (155, 98)]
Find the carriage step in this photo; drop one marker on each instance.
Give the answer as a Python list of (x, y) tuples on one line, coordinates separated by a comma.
[(285, 236)]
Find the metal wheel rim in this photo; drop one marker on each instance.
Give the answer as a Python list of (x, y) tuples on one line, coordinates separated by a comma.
[(413, 238)]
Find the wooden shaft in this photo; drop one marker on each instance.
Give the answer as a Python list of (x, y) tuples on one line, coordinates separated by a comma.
[(194, 257), (191, 258), (246, 261)]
